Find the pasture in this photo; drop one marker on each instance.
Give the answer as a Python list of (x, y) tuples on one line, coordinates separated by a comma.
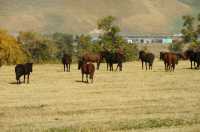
[(131, 100)]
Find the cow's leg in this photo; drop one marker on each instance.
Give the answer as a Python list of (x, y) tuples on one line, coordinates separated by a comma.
[(69, 67), (64, 67), (120, 67), (117, 67), (146, 65), (107, 65), (174, 67), (142, 65), (87, 78), (82, 77), (97, 65), (91, 77), (112, 66), (149, 66), (166, 66), (28, 78), (191, 63), (24, 78)]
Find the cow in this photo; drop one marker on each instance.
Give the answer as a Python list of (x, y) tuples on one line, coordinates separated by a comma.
[(170, 61), (23, 70), (191, 55), (93, 57), (114, 58), (147, 58), (87, 68), (67, 60)]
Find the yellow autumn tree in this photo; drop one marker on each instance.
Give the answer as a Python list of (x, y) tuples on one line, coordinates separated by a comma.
[(11, 51)]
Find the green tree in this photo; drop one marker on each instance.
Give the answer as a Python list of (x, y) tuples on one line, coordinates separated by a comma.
[(110, 37), (64, 42), (176, 47), (188, 30), (112, 40), (84, 44), (198, 26), (191, 28), (40, 48)]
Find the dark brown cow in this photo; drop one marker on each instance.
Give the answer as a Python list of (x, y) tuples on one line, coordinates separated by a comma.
[(87, 68), (147, 58), (67, 60), (91, 57), (170, 61)]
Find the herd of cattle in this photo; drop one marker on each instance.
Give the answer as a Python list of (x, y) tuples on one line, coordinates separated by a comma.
[(85, 62)]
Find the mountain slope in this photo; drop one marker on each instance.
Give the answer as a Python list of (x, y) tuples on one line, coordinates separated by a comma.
[(80, 16)]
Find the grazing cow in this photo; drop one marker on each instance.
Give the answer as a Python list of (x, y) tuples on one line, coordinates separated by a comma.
[(190, 54), (67, 60), (91, 57), (87, 68), (23, 70), (147, 58), (170, 61)]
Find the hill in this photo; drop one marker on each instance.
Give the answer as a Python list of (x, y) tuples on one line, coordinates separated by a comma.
[(80, 16)]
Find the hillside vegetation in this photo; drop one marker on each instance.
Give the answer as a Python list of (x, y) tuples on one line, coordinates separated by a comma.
[(80, 16)]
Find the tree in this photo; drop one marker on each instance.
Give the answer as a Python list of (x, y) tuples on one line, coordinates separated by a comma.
[(112, 40), (84, 44), (40, 48), (111, 30), (64, 42), (11, 51), (188, 29), (198, 26), (176, 47)]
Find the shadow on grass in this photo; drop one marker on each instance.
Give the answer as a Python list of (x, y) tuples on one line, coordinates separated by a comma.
[(191, 69), (13, 83), (78, 81)]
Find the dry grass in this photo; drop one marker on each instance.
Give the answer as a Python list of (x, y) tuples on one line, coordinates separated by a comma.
[(136, 100)]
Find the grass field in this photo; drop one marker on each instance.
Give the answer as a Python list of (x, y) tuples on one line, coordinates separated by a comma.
[(132, 100)]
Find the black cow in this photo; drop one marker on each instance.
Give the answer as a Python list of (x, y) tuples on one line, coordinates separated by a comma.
[(191, 55), (147, 58), (114, 58), (23, 70), (66, 60)]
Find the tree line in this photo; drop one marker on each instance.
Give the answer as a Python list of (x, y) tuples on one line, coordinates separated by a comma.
[(49, 48)]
